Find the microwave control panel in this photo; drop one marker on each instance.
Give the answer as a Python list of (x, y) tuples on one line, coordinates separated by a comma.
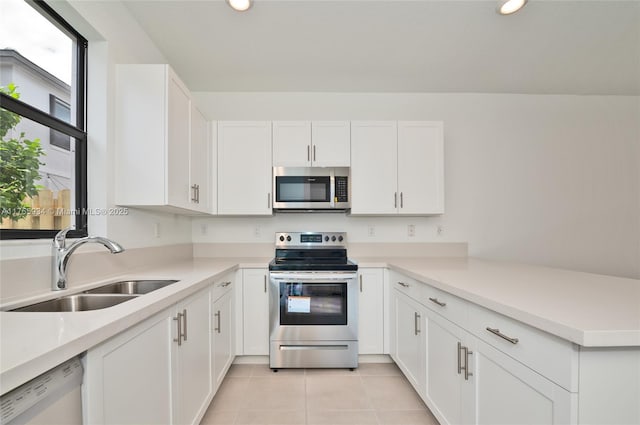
[(342, 189)]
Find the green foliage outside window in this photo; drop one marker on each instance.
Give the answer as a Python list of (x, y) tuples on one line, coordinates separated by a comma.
[(19, 164)]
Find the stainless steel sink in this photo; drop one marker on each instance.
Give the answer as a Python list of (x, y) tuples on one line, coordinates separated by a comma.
[(136, 287), (80, 302)]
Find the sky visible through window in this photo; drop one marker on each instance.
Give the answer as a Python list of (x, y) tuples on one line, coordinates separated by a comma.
[(24, 29)]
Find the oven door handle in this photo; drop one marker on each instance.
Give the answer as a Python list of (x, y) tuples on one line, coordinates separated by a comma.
[(315, 277), (312, 347)]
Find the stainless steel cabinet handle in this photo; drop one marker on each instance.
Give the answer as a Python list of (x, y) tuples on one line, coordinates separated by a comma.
[(225, 284), (360, 283), (217, 329), (314, 153), (178, 320), (197, 193), (416, 318), (436, 301), (184, 324), (395, 199), (459, 358), (193, 193), (401, 200), (406, 285), (265, 284), (467, 353), (497, 332), (308, 152), (268, 200)]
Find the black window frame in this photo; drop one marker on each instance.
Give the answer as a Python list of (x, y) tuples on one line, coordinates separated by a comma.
[(77, 131)]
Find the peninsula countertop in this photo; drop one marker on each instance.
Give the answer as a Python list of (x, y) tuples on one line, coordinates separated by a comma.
[(586, 309)]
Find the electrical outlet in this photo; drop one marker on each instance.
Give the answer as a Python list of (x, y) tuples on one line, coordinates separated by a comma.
[(156, 229), (411, 230), (203, 229), (371, 230), (440, 230), (257, 231)]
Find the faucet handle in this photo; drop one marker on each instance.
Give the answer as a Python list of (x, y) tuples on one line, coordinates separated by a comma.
[(61, 236)]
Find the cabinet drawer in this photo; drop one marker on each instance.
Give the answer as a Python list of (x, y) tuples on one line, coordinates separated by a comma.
[(406, 285), (552, 357), (449, 306), (223, 285)]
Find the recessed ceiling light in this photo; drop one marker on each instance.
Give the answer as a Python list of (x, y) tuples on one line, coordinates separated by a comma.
[(239, 5), (507, 7)]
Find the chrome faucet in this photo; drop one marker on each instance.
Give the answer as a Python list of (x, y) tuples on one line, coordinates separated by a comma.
[(61, 254)]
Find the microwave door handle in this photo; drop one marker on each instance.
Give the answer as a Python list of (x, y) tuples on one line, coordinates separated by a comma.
[(332, 190)]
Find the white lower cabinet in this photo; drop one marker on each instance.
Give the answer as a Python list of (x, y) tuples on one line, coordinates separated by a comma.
[(409, 350), (223, 329), (448, 387), (370, 311), (255, 306), (143, 376)]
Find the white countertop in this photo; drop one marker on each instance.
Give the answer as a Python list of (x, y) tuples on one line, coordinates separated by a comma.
[(587, 309)]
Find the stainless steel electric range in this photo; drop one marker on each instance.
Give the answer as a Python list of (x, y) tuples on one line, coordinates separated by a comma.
[(313, 302)]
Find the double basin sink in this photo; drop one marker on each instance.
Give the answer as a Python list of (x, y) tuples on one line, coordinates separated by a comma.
[(103, 296)]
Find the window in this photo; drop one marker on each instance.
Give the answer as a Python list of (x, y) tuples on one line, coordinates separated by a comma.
[(61, 110), (43, 160)]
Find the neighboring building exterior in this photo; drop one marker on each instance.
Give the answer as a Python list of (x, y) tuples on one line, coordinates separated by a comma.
[(44, 91)]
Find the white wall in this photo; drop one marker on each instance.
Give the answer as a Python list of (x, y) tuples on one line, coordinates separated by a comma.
[(550, 180)]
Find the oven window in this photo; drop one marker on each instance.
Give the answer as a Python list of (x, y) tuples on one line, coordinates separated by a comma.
[(303, 189), (313, 303)]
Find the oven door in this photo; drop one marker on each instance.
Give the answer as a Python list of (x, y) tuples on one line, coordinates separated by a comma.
[(313, 306)]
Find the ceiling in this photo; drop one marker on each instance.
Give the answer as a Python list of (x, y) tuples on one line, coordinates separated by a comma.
[(549, 47)]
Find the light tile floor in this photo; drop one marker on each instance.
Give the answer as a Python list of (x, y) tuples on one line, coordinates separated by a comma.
[(375, 393)]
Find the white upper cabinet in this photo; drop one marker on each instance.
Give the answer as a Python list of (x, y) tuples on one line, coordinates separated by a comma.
[(153, 140), (397, 168), (200, 172), (420, 167), (244, 168), (306, 143), (374, 167)]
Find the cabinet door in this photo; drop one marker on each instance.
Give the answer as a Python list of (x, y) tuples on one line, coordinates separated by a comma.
[(410, 340), (445, 377), (128, 379), (331, 144), (178, 126), (374, 168), (370, 308), (244, 168), (507, 392), (199, 169), (291, 143), (255, 303), (420, 168), (222, 337), (194, 384)]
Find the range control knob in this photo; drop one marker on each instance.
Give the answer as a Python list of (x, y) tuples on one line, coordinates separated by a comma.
[(281, 238), (288, 238), (340, 238), (333, 238), (326, 238)]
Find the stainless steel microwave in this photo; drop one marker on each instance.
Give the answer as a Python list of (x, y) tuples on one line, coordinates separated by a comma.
[(311, 188)]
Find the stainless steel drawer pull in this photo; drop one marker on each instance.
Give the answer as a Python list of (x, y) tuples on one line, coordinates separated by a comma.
[(218, 316), (416, 318), (225, 284), (467, 353), (360, 283), (435, 300), (459, 358), (496, 331), (265, 284), (406, 285)]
